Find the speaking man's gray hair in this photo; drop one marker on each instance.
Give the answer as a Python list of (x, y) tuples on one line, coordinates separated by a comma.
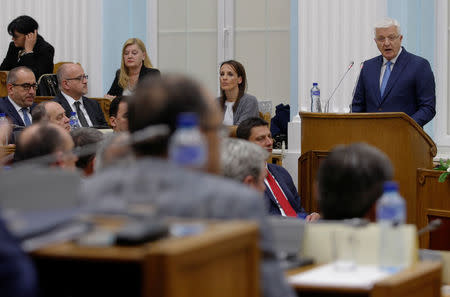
[(386, 23)]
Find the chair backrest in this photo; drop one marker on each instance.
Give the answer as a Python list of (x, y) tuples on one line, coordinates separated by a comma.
[(57, 65), (104, 104), (39, 99), (3, 90), (47, 85)]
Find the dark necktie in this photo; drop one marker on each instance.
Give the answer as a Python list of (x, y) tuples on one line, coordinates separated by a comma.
[(26, 118), (80, 115)]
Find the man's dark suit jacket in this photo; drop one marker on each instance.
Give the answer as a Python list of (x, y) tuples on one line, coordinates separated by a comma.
[(410, 88), (117, 90), (40, 61), (17, 274), (11, 112), (92, 107), (284, 179)]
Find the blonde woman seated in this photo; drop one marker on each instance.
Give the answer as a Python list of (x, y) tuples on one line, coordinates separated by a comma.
[(236, 104), (135, 66)]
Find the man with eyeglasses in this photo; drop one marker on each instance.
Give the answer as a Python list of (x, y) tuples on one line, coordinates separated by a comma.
[(21, 86), (73, 85), (395, 81)]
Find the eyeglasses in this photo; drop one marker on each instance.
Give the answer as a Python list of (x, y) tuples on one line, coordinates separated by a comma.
[(26, 86), (80, 78), (390, 38)]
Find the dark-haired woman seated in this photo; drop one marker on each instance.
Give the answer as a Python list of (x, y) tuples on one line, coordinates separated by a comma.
[(135, 66), (236, 104), (28, 48)]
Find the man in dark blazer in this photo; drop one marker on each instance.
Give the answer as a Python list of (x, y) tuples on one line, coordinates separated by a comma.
[(279, 183), (21, 86), (396, 80), (73, 85)]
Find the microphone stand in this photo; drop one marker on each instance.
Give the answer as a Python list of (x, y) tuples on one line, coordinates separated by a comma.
[(327, 105)]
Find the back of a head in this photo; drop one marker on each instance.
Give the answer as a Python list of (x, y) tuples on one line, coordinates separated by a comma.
[(160, 101), (38, 140), (244, 129), (351, 180), (39, 113), (241, 158), (84, 136), (114, 106)]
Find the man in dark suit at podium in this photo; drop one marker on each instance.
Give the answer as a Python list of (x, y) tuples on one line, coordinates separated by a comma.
[(73, 84), (395, 81)]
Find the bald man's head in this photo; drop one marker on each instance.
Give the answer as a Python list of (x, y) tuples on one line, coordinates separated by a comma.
[(46, 139)]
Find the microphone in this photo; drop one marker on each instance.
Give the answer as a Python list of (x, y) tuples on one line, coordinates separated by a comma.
[(327, 105), (433, 225)]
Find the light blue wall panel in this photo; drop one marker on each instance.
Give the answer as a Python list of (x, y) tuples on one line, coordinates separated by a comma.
[(121, 20), (417, 20)]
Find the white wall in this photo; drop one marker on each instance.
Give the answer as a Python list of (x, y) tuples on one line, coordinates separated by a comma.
[(73, 27)]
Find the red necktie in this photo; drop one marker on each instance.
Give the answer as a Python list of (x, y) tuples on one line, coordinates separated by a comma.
[(279, 195)]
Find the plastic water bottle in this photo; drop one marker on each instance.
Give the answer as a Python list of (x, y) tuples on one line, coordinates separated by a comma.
[(391, 215), (187, 146), (315, 98), (3, 121), (73, 121)]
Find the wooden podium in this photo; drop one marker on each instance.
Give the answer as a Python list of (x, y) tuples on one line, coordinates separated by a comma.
[(222, 261), (395, 133), (433, 203)]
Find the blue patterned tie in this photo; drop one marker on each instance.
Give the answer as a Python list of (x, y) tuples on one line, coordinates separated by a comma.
[(26, 119), (386, 75)]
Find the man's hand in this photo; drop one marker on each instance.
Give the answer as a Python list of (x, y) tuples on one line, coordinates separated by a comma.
[(30, 41), (312, 217)]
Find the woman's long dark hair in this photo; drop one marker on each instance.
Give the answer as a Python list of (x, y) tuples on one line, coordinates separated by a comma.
[(240, 71)]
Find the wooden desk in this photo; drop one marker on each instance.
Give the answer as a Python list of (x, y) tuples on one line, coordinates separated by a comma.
[(222, 261), (423, 279), (3, 90)]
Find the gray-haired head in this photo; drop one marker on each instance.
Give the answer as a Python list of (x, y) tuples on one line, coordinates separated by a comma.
[(241, 158), (386, 23)]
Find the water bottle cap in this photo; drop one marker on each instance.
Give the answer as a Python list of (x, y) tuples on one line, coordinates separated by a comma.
[(73, 113), (315, 84), (2, 114), (187, 119), (390, 186)]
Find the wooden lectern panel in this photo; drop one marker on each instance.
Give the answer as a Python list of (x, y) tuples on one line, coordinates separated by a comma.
[(432, 203), (394, 133)]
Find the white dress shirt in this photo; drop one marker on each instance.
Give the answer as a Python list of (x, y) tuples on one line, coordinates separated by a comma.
[(228, 117), (72, 101), (383, 67)]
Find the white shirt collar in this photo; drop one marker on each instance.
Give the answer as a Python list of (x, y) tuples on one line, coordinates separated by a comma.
[(71, 101), (394, 59), (16, 106)]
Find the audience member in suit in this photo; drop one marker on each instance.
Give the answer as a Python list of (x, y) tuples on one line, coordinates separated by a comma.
[(28, 48), (21, 86), (73, 84), (236, 104), (46, 139), (396, 80), (177, 191), (52, 112), (281, 195), (82, 137), (134, 67), (244, 162), (118, 114), (350, 180)]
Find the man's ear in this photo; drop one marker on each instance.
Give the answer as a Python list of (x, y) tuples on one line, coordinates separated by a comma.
[(249, 180), (112, 121), (59, 159), (9, 88)]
